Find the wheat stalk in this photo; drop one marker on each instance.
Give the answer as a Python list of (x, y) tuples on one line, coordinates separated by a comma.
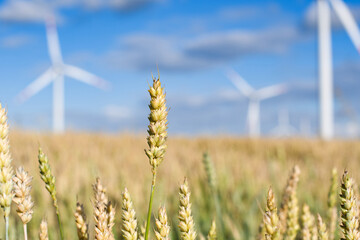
[(212, 232), (6, 171), (211, 177), (22, 188), (271, 219), (332, 200), (289, 189), (49, 180), (156, 139), (323, 234), (43, 234), (162, 230), (80, 220), (186, 222), (348, 205)]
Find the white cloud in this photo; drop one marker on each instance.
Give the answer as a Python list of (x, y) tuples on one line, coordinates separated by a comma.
[(15, 41), (172, 53), (116, 113), (25, 11), (34, 11)]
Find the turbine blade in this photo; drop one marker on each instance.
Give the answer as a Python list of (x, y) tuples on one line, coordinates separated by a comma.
[(53, 41), (86, 77), (239, 82), (272, 91), (45, 79), (348, 21)]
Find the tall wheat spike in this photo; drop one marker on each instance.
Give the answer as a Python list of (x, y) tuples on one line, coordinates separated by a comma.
[(49, 180), (142, 231), (156, 139), (313, 229), (271, 219), (80, 220), (306, 221), (212, 232), (186, 222), (162, 230), (348, 205), (43, 234), (323, 234), (6, 170), (332, 200), (290, 188), (129, 227), (22, 188)]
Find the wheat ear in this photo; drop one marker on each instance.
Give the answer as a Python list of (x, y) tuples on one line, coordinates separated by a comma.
[(212, 232), (142, 231), (162, 230), (306, 222), (6, 171), (49, 180), (271, 219), (289, 189), (186, 222), (348, 205), (80, 220), (313, 229), (292, 223), (22, 188), (332, 200), (43, 234), (129, 224), (156, 139), (323, 234), (103, 213)]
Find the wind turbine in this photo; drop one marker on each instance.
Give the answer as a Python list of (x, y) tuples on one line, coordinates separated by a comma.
[(325, 58), (284, 128), (55, 74), (255, 97)]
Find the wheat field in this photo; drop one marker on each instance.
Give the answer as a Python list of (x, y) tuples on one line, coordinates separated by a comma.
[(245, 169)]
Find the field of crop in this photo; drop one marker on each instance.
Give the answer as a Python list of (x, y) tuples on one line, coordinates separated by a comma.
[(245, 169), (250, 188)]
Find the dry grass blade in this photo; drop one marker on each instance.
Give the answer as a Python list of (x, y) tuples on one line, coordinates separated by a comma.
[(332, 200)]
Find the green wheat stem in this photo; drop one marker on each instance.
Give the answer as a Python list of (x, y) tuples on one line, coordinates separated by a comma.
[(150, 206), (59, 222)]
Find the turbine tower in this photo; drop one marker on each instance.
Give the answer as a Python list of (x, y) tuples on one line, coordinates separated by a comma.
[(325, 59), (284, 128), (55, 74), (255, 97)]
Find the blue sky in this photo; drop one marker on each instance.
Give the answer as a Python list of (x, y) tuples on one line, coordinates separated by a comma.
[(192, 42)]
